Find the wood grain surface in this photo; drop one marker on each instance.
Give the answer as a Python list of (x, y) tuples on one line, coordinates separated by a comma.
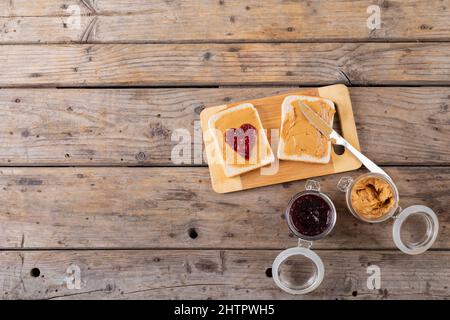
[(215, 274), (313, 64), (177, 208), (46, 21), (396, 126), (86, 176)]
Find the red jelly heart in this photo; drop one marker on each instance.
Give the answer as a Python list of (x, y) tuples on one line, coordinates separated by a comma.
[(244, 137)]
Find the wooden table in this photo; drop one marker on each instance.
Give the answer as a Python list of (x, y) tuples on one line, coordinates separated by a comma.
[(92, 205)]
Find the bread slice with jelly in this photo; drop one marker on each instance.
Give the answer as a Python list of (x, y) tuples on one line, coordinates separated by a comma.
[(240, 139)]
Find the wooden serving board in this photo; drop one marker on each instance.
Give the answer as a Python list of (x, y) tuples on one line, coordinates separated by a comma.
[(269, 110)]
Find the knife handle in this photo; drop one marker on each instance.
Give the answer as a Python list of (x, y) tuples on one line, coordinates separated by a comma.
[(369, 164)]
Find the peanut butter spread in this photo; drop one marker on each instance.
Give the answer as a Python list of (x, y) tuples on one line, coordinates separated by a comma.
[(301, 137), (372, 198), (235, 120)]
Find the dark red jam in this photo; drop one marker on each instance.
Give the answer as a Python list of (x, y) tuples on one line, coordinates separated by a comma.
[(310, 215), (244, 137)]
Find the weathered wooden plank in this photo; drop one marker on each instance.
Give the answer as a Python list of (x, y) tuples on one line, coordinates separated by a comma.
[(45, 21), (40, 8), (224, 64), (176, 208), (191, 274), (396, 126)]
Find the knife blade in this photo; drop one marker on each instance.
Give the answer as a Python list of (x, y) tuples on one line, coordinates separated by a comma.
[(336, 138), (315, 119)]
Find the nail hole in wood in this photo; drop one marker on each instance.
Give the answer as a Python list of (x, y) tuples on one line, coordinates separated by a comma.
[(35, 272), (354, 293), (269, 272), (192, 233)]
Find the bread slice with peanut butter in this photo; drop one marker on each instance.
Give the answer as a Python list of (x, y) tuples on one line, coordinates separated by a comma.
[(299, 139)]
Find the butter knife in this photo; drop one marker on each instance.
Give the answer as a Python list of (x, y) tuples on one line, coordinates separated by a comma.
[(336, 138)]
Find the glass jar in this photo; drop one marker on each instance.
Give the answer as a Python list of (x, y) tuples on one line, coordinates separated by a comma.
[(415, 228), (300, 270)]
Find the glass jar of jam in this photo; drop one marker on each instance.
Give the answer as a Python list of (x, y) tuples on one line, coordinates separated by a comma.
[(311, 216), (374, 198)]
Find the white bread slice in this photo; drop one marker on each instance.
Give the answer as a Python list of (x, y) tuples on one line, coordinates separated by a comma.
[(286, 109), (260, 155)]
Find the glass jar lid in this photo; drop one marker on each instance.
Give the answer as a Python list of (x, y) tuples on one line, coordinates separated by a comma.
[(415, 229), (298, 270)]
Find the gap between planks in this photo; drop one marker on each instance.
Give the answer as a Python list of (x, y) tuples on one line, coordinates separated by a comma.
[(318, 41), (193, 248)]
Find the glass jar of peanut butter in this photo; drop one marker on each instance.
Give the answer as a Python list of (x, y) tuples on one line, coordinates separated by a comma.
[(374, 198), (311, 216)]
